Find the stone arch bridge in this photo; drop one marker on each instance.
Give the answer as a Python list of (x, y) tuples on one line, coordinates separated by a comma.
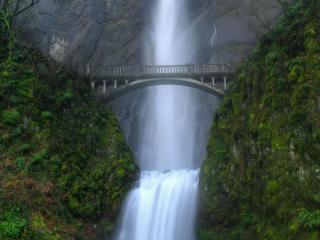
[(113, 82)]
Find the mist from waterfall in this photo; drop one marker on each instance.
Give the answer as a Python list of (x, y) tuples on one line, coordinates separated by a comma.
[(173, 125)]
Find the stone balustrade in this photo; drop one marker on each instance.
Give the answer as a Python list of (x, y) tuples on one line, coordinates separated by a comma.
[(109, 80)]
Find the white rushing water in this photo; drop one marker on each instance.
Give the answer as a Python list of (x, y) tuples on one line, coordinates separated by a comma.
[(162, 205), (169, 33)]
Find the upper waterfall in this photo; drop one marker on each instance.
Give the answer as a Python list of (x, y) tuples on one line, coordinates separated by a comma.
[(168, 29), (169, 37), (171, 137)]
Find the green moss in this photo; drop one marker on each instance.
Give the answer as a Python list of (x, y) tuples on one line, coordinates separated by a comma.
[(261, 177)]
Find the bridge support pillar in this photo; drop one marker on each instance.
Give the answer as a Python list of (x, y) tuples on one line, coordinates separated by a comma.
[(213, 81), (225, 82), (115, 83), (127, 82), (93, 84), (201, 79), (104, 87)]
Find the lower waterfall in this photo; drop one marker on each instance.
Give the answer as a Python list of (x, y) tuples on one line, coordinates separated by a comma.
[(168, 132), (163, 206)]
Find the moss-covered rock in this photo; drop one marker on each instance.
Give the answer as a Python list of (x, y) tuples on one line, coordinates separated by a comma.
[(64, 164), (262, 174)]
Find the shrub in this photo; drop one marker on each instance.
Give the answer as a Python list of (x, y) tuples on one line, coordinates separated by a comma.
[(310, 220), (10, 117), (12, 225)]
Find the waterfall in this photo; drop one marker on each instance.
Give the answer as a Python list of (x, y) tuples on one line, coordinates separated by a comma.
[(169, 33), (162, 207), (174, 122)]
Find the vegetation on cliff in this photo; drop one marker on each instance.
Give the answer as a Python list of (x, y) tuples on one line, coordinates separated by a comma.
[(64, 164), (262, 175)]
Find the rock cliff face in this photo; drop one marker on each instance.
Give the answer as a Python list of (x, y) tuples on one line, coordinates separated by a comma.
[(228, 30), (104, 32), (111, 32)]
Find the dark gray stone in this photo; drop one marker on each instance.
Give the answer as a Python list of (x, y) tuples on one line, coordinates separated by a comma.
[(111, 32), (227, 30), (81, 32)]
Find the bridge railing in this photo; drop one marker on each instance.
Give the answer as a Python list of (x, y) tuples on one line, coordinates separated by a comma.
[(170, 70), (213, 68), (164, 70)]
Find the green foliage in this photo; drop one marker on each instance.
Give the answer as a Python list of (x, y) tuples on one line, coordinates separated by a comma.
[(272, 187), (46, 114), (262, 174), (64, 162), (310, 220), (20, 163), (10, 117), (12, 225)]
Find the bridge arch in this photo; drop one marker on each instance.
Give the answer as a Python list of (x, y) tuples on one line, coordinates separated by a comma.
[(143, 83)]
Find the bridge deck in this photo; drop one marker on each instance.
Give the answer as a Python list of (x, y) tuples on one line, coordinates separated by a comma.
[(160, 71)]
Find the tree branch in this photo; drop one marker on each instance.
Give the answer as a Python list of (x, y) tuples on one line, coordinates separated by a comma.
[(19, 11), (264, 24)]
